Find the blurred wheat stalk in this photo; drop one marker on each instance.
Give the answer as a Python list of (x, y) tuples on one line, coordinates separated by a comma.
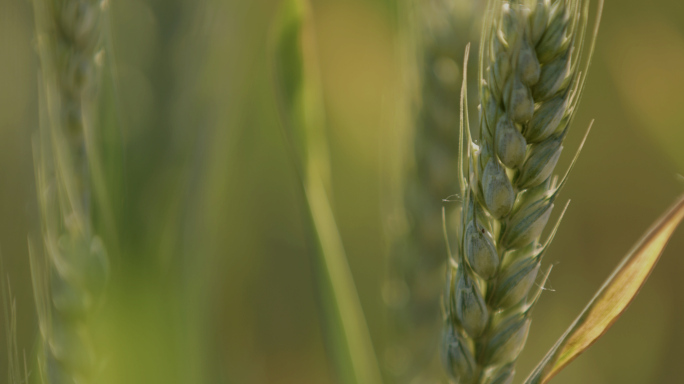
[(70, 273), (418, 253)]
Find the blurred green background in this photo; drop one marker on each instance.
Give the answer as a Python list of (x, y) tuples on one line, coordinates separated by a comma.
[(217, 284)]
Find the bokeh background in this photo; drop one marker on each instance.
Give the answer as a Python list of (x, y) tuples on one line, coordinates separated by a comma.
[(217, 284)]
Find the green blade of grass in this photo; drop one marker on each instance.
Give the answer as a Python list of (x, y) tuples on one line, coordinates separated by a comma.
[(357, 364), (299, 97), (612, 299)]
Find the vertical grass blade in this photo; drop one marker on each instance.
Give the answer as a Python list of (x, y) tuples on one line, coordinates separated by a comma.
[(299, 98), (343, 302), (613, 298)]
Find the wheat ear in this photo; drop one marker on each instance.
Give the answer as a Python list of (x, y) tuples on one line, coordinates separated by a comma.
[(530, 87), (69, 281)]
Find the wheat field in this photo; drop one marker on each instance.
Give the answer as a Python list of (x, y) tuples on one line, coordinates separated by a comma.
[(212, 279)]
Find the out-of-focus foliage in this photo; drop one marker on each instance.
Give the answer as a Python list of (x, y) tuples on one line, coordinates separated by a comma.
[(296, 79), (214, 283)]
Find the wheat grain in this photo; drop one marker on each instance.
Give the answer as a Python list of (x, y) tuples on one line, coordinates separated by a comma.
[(529, 92), (69, 283)]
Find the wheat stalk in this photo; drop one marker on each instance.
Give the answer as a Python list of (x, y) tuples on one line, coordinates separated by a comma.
[(528, 95), (412, 291), (69, 282)]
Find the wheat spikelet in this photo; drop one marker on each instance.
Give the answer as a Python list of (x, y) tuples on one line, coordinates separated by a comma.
[(531, 84), (69, 282)]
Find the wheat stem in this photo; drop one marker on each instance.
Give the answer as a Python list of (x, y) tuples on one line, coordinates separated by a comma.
[(69, 283), (439, 31)]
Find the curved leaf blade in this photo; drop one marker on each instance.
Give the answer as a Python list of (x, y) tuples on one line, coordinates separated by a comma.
[(612, 299)]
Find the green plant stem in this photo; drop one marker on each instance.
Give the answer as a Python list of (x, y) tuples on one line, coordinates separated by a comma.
[(300, 101), (354, 343)]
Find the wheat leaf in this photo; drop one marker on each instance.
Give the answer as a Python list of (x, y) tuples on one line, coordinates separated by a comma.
[(612, 299)]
